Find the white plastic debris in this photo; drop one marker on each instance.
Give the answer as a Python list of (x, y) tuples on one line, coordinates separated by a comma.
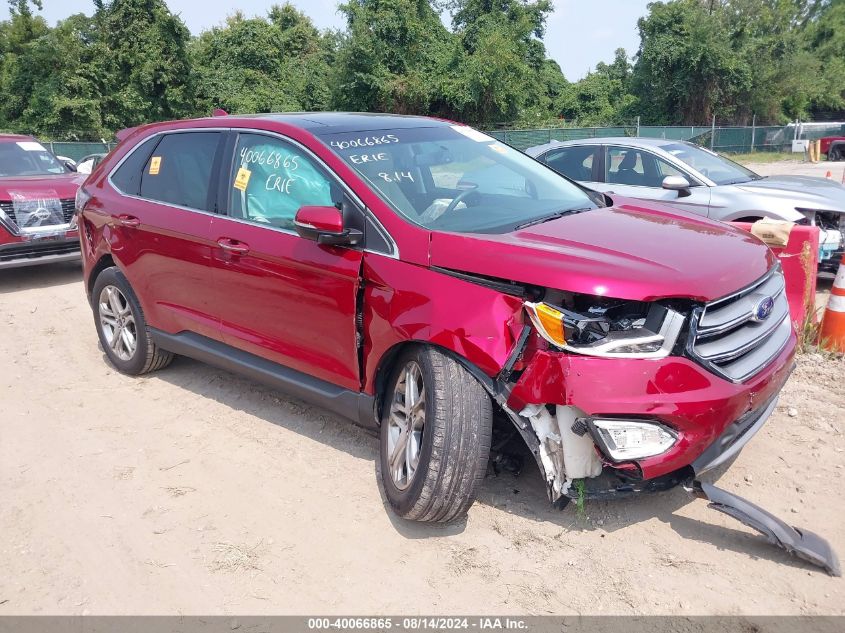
[(565, 455)]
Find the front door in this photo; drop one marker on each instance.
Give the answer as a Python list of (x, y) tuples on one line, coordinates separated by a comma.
[(637, 173), (280, 296)]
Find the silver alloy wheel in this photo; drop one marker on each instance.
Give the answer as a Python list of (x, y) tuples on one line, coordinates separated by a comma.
[(117, 322), (405, 426)]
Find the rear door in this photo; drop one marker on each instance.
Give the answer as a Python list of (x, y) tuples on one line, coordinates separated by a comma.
[(161, 224), (637, 173), (279, 296)]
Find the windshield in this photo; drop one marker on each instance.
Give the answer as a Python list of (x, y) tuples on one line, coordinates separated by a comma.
[(717, 168), (28, 158), (453, 178)]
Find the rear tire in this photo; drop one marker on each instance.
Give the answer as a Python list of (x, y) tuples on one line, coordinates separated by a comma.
[(435, 437), (835, 153), (121, 327)]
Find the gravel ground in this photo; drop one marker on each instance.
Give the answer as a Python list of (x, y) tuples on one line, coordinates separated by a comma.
[(193, 491)]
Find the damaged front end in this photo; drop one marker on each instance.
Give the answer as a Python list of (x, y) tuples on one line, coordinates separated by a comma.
[(606, 394)]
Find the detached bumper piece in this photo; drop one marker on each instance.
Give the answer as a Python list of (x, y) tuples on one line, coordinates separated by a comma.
[(797, 541)]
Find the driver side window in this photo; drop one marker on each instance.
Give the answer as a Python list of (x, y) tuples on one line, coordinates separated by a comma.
[(272, 179)]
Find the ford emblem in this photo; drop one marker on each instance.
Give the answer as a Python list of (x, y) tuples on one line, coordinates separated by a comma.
[(763, 309)]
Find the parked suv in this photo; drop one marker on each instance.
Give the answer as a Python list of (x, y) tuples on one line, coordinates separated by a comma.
[(420, 277), (37, 190)]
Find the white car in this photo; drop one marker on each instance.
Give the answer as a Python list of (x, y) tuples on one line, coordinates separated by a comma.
[(689, 177)]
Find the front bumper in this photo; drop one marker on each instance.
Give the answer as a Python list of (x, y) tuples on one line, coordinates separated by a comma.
[(17, 251), (713, 417)]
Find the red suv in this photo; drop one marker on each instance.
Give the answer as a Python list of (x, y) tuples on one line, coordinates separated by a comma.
[(37, 190), (419, 277)]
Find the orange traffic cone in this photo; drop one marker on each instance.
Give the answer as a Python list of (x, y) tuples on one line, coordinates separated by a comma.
[(832, 332), (828, 174)]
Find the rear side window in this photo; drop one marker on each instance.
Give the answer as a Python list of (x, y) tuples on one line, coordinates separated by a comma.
[(179, 169), (574, 162), (127, 177)]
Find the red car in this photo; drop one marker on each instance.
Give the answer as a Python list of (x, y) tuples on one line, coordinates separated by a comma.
[(37, 191), (420, 278), (833, 147)]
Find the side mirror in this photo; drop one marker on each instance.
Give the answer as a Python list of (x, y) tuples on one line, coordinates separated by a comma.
[(69, 165), (676, 183), (324, 225)]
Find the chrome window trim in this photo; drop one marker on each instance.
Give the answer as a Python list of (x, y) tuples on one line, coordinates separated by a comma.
[(135, 149), (394, 252)]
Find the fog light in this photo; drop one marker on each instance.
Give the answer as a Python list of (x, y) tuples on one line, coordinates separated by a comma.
[(632, 439)]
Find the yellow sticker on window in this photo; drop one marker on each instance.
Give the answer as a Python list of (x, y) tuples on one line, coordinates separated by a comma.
[(242, 178), (155, 165)]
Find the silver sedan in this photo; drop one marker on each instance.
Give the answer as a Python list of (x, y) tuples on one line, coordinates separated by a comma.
[(687, 176)]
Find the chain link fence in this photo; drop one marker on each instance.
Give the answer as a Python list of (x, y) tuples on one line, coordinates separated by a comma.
[(730, 139), (77, 150)]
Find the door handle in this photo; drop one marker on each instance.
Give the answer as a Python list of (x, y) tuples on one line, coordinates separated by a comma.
[(233, 246), (128, 220)]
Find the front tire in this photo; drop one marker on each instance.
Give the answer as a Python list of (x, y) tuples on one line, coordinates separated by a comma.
[(121, 327), (435, 437)]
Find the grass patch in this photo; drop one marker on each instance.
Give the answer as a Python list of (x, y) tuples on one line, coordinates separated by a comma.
[(765, 157), (580, 501)]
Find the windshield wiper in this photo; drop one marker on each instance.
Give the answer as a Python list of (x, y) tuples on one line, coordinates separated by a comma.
[(548, 218)]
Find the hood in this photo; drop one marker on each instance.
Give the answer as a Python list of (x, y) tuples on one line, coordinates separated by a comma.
[(61, 186), (806, 191), (626, 251)]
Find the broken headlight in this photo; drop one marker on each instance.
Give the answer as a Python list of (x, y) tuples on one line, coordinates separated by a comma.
[(623, 330)]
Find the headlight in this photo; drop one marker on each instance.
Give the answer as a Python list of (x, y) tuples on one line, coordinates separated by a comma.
[(651, 335), (631, 439)]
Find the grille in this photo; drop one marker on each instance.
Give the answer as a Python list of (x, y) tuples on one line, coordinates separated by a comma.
[(732, 341), (34, 251), (67, 210)]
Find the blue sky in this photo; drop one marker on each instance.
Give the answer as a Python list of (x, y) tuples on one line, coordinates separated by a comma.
[(580, 33)]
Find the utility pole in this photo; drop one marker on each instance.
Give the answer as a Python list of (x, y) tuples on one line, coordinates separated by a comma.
[(638, 127), (753, 130), (713, 134)]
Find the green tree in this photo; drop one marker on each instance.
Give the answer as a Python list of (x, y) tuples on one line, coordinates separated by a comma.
[(825, 36), (17, 36), (147, 67), (498, 71), (63, 93), (263, 65), (687, 69), (603, 97), (392, 57)]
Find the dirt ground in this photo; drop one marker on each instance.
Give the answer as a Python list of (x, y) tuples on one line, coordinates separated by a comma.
[(193, 491)]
